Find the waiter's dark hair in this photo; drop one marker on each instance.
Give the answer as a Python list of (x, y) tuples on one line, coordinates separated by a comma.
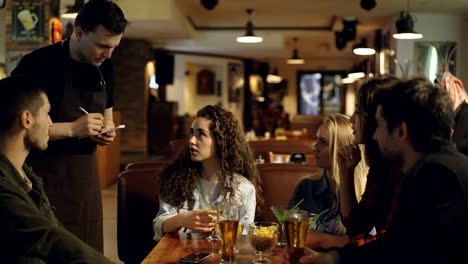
[(101, 12), (18, 93)]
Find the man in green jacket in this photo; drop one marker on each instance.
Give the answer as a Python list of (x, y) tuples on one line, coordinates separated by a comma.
[(29, 231)]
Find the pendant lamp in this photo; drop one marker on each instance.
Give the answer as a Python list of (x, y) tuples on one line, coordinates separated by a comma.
[(72, 12), (361, 48), (405, 27), (249, 36), (295, 59)]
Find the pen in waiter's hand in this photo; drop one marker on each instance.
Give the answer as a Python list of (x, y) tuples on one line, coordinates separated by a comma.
[(86, 112), (83, 110)]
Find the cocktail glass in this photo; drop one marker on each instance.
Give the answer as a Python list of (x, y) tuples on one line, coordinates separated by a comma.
[(213, 206), (279, 214), (263, 237)]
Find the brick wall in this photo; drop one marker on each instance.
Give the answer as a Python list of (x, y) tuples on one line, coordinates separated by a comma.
[(131, 92)]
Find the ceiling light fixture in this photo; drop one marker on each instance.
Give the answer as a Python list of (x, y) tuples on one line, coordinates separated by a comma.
[(362, 48), (73, 10), (295, 56), (347, 80), (249, 36), (405, 27), (368, 4), (274, 77), (356, 75), (209, 4)]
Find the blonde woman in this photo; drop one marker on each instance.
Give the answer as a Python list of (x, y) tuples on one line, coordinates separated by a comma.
[(321, 192)]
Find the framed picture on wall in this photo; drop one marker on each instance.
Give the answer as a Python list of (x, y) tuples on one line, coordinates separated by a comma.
[(235, 82), (319, 93), (28, 20), (206, 82)]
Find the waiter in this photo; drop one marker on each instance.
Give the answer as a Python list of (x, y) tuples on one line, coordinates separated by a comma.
[(77, 78)]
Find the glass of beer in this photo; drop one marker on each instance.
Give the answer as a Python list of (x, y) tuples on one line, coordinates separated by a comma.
[(263, 237), (227, 228), (296, 223)]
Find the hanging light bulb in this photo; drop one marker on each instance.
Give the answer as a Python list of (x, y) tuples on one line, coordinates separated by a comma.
[(295, 59), (249, 36), (72, 12), (361, 48)]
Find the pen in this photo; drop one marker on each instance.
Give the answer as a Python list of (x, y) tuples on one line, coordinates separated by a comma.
[(83, 110)]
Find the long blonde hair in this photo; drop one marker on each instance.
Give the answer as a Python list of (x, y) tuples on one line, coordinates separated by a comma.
[(340, 134)]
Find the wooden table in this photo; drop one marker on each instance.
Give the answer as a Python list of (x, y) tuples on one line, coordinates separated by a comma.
[(171, 249)]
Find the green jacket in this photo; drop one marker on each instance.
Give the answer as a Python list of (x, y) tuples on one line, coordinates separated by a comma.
[(29, 231)]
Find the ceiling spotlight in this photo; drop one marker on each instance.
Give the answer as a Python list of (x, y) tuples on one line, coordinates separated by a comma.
[(368, 4), (405, 27), (249, 36), (362, 48), (340, 40), (209, 4), (73, 10), (295, 59), (349, 28)]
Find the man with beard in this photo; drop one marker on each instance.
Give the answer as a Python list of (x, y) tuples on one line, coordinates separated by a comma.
[(30, 233), (430, 222)]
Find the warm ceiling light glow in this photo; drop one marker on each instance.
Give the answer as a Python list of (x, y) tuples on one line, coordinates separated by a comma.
[(249, 36), (274, 77), (408, 35), (249, 39), (356, 75), (295, 61), (362, 49), (347, 80)]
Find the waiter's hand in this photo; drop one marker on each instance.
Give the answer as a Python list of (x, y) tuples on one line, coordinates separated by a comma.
[(87, 125), (106, 138)]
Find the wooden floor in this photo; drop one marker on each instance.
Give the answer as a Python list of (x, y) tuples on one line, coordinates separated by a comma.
[(109, 204)]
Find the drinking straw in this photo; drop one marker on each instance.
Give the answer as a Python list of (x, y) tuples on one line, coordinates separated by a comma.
[(201, 202), (295, 206), (322, 213)]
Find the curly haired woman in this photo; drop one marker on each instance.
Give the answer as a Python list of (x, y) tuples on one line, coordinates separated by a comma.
[(217, 165)]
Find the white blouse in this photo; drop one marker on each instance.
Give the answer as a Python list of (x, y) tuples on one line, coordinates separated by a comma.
[(243, 195)]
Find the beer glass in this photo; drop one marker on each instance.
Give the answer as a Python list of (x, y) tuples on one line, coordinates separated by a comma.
[(296, 223), (227, 228)]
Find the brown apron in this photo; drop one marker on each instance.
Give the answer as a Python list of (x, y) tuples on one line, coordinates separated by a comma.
[(72, 180)]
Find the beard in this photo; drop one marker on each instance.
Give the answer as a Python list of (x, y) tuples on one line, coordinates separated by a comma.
[(32, 145)]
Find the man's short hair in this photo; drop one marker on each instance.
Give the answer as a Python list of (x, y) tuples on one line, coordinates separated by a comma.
[(101, 12), (424, 107), (18, 93)]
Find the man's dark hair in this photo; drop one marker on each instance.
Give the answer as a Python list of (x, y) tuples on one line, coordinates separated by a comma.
[(366, 108), (425, 108), (18, 93), (101, 12)]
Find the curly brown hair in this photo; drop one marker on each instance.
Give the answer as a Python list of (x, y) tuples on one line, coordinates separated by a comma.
[(232, 153)]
